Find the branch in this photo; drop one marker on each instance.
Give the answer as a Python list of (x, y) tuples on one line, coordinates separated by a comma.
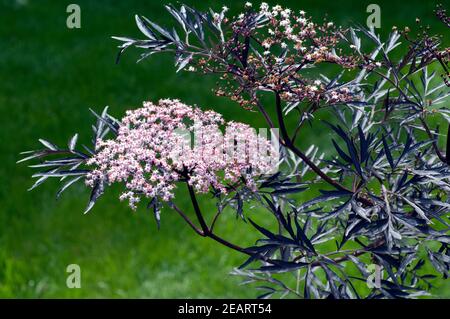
[(434, 143), (264, 113), (424, 124), (380, 242), (216, 217), (286, 141), (200, 218), (186, 218), (208, 233)]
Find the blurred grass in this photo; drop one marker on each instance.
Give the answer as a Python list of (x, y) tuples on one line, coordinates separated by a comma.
[(50, 75)]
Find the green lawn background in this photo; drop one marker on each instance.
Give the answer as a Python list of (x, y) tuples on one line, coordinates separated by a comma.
[(49, 77)]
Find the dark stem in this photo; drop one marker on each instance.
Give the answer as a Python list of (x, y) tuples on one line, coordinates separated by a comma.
[(286, 141), (216, 217), (424, 124), (380, 242), (435, 146), (208, 233), (447, 150), (186, 218), (264, 113), (232, 246), (200, 218), (245, 51)]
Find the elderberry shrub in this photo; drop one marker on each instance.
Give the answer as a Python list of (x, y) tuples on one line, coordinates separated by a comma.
[(376, 198)]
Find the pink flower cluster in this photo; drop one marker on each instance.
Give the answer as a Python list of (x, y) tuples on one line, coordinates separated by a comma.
[(153, 150)]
